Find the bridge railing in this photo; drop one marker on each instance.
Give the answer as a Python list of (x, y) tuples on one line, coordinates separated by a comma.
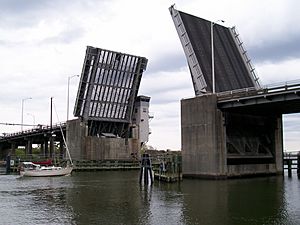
[(291, 161), (266, 89), (37, 129)]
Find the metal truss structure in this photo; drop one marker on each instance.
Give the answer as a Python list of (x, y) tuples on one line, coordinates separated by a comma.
[(107, 90)]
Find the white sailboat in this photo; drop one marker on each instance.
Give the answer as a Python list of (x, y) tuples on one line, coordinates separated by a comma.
[(30, 169)]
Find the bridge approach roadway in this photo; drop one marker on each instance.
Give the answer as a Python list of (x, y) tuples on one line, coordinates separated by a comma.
[(272, 100), (46, 136)]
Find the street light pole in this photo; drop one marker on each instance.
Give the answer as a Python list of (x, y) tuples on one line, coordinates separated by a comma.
[(212, 55), (23, 100), (68, 98), (51, 137)]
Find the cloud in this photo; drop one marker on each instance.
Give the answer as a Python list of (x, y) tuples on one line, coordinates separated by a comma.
[(43, 42), (167, 63), (277, 50), (11, 7), (22, 14), (165, 126), (66, 36), (276, 72), (45, 31), (164, 87)]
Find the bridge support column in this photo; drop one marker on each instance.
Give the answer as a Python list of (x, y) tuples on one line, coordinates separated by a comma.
[(42, 151), (203, 138), (52, 149), (46, 154), (13, 148), (279, 146), (8, 164), (61, 149), (28, 147)]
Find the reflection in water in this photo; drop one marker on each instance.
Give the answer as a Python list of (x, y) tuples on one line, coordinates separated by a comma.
[(162, 204), (146, 200), (292, 198), (116, 197), (31, 200), (106, 198), (240, 201), (258, 201)]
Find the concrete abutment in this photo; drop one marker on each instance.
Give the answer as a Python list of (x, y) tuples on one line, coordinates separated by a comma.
[(84, 147), (219, 144)]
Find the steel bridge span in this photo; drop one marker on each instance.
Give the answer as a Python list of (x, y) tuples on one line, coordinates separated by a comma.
[(46, 136), (282, 98)]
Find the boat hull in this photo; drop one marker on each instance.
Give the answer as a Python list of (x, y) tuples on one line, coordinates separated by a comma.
[(47, 173)]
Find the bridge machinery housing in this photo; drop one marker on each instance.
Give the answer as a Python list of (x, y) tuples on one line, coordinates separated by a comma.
[(233, 127)]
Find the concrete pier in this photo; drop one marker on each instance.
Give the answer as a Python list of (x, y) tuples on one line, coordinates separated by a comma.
[(203, 138), (84, 147), (220, 144)]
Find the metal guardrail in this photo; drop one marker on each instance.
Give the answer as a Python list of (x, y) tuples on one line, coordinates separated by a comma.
[(38, 129), (266, 89), (245, 56), (291, 153), (291, 161)]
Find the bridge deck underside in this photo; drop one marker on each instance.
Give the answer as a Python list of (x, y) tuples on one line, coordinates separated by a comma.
[(109, 85), (250, 138), (107, 91), (230, 70)]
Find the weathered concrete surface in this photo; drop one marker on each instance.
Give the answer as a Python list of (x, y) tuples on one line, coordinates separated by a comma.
[(109, 148), (204, 146), (203, 137), (75, 135), (279, 146), (83, 147), (251, 170)]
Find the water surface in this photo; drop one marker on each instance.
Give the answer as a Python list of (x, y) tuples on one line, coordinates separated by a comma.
[(115, 197)]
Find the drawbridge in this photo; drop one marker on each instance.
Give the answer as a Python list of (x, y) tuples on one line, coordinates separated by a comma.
[(232, 66), (107, 91), (234, 125), (105, 107)]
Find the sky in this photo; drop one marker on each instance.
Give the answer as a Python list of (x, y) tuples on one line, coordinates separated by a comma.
[(43, 42)]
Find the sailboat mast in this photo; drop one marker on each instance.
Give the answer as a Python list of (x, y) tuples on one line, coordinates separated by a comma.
[(62, 133)]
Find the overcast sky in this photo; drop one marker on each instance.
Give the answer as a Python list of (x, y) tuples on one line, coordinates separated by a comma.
[(43, 42)]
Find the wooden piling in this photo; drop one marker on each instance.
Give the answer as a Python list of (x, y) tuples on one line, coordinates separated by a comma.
[(146, 175), (289, 162)]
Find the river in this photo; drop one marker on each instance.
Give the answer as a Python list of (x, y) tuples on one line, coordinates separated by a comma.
[(116, 197)]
